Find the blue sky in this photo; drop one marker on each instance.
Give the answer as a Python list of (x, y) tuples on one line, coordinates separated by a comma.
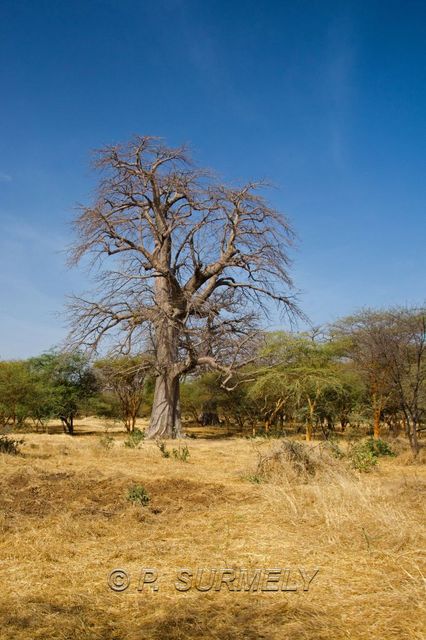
[(326, 99)]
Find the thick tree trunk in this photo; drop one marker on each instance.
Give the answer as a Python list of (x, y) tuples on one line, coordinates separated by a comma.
[(165, 419)]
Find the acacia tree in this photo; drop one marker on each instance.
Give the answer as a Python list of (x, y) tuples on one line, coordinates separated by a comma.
[(183, 261), (389, 348), (361, 340), (69, 382), (18, 391), (303, 372), (403, 349)]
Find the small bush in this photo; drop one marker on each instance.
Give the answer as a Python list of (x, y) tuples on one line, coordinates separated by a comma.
[(134, 439), (293, 463), (138, 495), (10, 445), (181, 454), (362, 458), (364, 455), (163, 449), (291, 457), (380, 447), (254, 478), (299, 456)]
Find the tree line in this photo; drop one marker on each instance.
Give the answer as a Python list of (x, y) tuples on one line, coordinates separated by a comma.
[(366, 370), (66, 385)]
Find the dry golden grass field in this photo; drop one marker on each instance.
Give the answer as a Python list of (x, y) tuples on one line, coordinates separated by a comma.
[(66, 524)]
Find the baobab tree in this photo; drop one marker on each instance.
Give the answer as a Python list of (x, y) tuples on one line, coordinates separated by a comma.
[(182, 262)]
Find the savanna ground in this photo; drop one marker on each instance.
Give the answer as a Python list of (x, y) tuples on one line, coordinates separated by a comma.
[(66, 524)]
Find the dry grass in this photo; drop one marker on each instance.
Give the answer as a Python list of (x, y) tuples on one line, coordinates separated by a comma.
[(65, 524)]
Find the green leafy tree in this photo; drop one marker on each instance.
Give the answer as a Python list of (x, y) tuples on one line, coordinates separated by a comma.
[(299, 372), (18, 391), (208, 402), (71, 381)]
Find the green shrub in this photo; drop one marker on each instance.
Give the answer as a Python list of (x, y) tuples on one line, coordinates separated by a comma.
[(134, 439), (137, 495), (182, 453), (380, 447), (362, 458), (254, 478), (10, 445), (364, 455), (163, 449)]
